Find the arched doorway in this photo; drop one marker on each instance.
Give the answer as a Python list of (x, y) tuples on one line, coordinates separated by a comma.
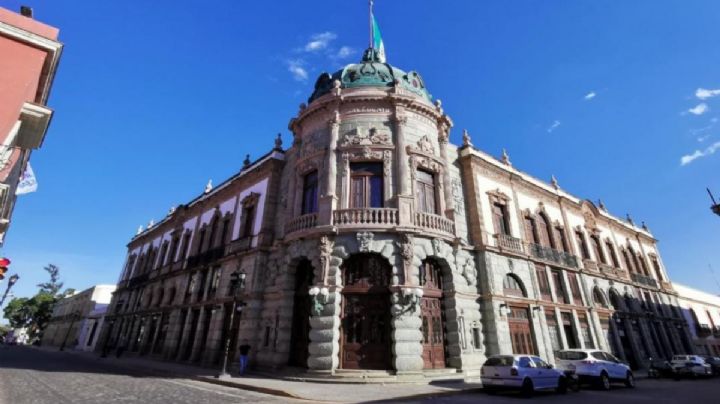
[(365, 333), (433, 317), (300, 337)]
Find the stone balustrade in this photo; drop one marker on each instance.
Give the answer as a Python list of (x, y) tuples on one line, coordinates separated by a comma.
[(366, 217), (434, 222), (303, 222), (507, 242)]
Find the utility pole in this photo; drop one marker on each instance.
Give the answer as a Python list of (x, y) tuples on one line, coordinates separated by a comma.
[(11, 282)]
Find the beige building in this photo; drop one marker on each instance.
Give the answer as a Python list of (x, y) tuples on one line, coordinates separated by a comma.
[(372, 243), (702, 312), (77, 319)]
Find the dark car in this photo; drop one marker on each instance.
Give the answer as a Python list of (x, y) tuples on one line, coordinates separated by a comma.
[(714, 362), (660, 368)]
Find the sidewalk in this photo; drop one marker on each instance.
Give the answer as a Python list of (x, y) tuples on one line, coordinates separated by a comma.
[(312, 391)]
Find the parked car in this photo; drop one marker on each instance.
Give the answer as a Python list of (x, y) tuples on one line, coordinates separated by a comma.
[(595, 366), (690, 365), (714, 363), (526, 373), (660, 368)]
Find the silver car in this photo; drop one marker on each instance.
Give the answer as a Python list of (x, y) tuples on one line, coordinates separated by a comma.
[(526, 373), (592, 365)]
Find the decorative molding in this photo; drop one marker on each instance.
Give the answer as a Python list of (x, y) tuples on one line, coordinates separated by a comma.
[(364, 239)]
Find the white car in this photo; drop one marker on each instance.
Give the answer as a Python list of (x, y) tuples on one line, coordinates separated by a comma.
[(691, 365), (595, 366), (526, 373)]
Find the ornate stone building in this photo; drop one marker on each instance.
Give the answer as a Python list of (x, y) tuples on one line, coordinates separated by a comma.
[(373, 243)]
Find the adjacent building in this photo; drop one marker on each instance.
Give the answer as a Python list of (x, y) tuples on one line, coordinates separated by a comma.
[(77, 319), (373, 243), (702, 312), (29, 56)]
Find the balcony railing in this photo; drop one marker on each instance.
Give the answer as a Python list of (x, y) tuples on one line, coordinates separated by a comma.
[(645, 280), (508, 242), (239, 245), (366, 217), (303, 222), (434, 222), (206, 257), (552, 255), (590, 265)]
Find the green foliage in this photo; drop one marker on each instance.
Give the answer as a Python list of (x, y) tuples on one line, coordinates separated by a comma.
[(52, 287), (18, 312)]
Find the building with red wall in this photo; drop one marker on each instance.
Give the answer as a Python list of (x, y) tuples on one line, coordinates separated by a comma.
[(29, 56)]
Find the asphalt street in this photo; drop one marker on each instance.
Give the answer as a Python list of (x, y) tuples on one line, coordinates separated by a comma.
[(32, 376)]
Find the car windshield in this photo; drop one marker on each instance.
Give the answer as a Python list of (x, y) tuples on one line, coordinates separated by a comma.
[(499, 361), (571, 355)]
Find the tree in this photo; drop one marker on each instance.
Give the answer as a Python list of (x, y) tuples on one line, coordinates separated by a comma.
[(18, 312), (52, 287)]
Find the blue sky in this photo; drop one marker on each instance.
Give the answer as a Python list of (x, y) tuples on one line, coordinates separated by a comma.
[(152, 99)]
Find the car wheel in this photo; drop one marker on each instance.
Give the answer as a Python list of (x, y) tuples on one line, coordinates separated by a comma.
[(562, 386), (527, 388), (604, 381), (630, 380)]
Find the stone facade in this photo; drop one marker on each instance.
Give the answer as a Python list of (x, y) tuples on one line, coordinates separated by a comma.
[(702, 312), (372, 243)]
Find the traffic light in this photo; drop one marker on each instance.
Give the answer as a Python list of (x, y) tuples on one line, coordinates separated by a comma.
[(4, 263)]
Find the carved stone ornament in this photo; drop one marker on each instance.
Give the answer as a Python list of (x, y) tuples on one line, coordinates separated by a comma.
[(325, 247), (425, 145), (407, 247), (467, 141), (364, 240), (469, 272), (437, 245), (367, 137), (457, 193), (251, 199), (590, 222)]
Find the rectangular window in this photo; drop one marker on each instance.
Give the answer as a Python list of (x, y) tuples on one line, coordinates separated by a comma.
[(560, 237), (310, 193), (613, 254), (201, 241), (225, 230), (248, 221), (173, 249), (186, 246), (163, 254), (500, 218), (543, 283), (366, 185), (425, 192), (597, 249), (559, 286), (582, 245), (476, 338), (569, 329), (656, 267), (585, 331), (531, 233), (553, 329), (575, 288)]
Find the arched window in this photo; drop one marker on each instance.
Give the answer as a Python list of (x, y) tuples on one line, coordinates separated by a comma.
[(599, 298), (512, 286), (544, 231), (616, 300)]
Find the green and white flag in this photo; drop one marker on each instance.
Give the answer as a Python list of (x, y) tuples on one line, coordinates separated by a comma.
[(378, 44)]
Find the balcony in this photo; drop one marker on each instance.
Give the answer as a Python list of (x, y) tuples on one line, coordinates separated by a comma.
[(240, 245), (552, 255), (510, 243), (590, 265), (432, 222), (644, 280), (207, 257), (303, 222), (703, 330), (366, 217)]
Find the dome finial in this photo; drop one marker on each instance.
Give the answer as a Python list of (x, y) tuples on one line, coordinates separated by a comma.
[(506, 158), (209, 186), (467, 141), (554, 182)]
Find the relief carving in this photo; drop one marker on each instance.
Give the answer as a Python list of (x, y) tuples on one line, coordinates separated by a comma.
[(367, 137), (457, 193), (364, 240)]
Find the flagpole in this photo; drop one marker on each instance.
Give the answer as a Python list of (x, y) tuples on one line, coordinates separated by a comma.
[(370, 24)]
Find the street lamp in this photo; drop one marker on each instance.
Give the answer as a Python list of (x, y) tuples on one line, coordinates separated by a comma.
[(237, 282), (11, 282), (715, 206)]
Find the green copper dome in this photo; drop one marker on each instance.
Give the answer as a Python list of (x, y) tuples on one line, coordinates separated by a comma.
[(370, 73)]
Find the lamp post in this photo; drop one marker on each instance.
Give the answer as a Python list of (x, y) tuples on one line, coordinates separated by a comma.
[(11, 282), (237, 282), (73, 316), (715, 207)]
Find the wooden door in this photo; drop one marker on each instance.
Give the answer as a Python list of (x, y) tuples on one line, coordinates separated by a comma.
[(433, 333), (520, 331), (366, 330)]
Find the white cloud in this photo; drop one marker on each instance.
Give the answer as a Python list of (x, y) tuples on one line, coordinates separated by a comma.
[(699, 109), (295, 67), (703, 138), (704, 93), (344, 52), (689, 158), (590, 95), (553, 126), (319, 41)]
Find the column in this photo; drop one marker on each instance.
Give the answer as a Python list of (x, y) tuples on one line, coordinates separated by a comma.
[(328, 198), (405, 199), (447, 183)]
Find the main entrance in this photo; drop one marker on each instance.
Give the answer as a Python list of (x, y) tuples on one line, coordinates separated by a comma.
[(300, 337), (433, 319), (520, 331), (365, 332)]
